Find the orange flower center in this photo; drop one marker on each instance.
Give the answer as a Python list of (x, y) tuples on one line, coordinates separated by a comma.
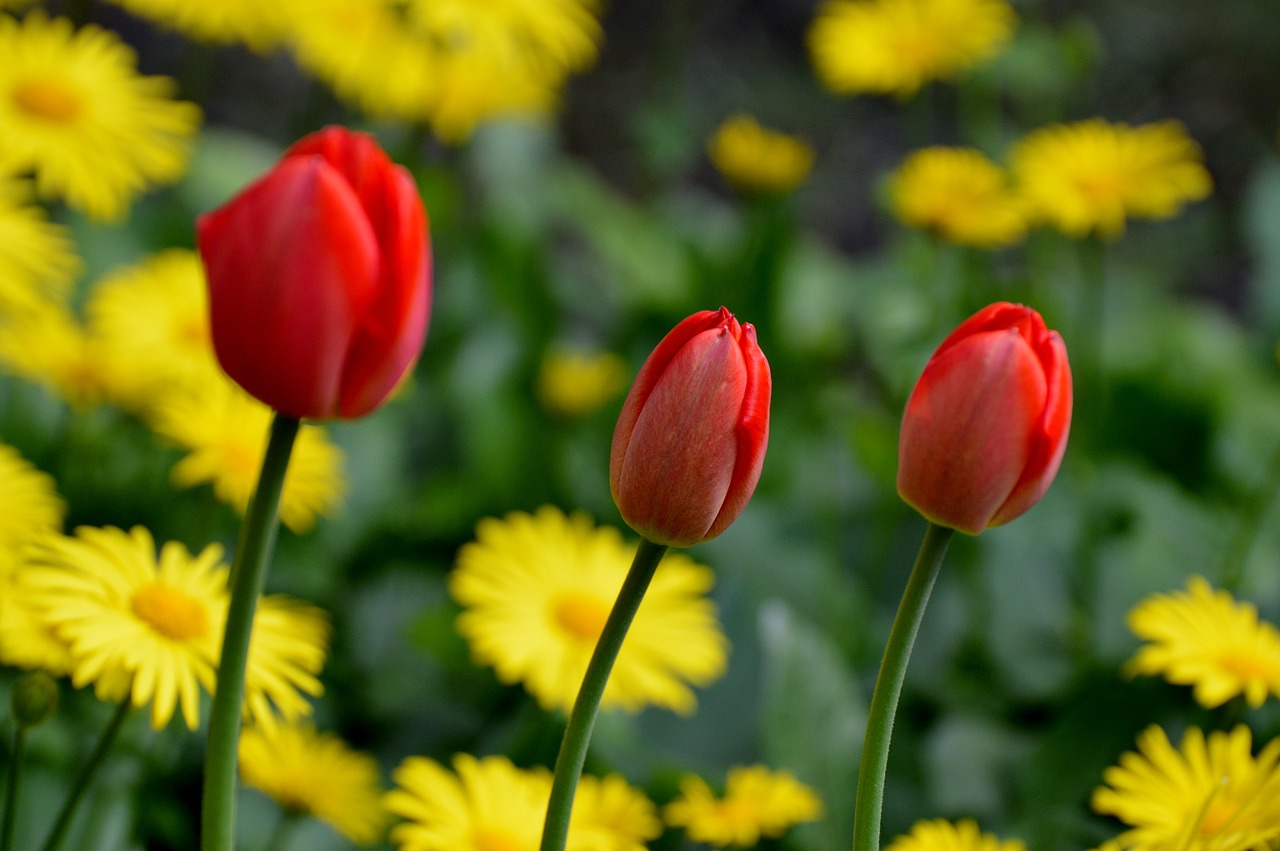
[(581, 615), (491, 839), (1247, 667), (1220, 813), (170, 612), (47, 100)]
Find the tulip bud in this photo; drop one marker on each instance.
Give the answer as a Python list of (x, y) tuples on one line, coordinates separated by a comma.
[(691, 437), (985, 428), (320, 278)]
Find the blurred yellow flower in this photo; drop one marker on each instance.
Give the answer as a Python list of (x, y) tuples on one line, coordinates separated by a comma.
[(253, 23), (536, 590), (896, 46), (942, 835), (753, 158), (287, 651), (140, 627), (958, 194), (37, 258), (562, 35), (572, 383), (477, 84), (1089, 176), (75, 111), (316, 774), (757, 802), (152, 321), (29, 501), (1205, 639), (365, 52), (26, 640), (50, 346), (224, 431), (487, 804), (1207, 795)]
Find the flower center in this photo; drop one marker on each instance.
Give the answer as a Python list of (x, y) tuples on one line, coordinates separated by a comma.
[(491, 839), (1247, 667), (581, 615), (47, 100), (170, 612), (1218, 815)]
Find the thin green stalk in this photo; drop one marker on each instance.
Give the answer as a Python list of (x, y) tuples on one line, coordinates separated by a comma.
[(85, 778), (15, 778), (577, 735), (248, 575), (884, 700)]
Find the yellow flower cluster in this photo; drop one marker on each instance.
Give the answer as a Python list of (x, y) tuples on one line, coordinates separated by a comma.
[(942, 835), (1082, 178), (757, 803)]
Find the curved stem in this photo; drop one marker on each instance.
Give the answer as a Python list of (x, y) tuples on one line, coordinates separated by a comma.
[(248, 575), (577, 735), (15, 778), (85, 778), (884, 700)]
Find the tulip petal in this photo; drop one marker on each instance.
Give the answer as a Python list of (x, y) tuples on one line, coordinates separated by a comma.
[(968, 428), (752, 432), (680, 458), (288, 261)]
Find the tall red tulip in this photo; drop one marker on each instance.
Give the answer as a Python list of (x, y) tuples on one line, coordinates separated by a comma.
[(690, 440), (320, 278), (986, 426)]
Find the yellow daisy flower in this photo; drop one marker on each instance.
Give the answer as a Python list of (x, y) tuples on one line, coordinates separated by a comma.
[(29, 501), (1091, 175), (37, 258), (225, 430), (942, 835), (536, 590), (74, 109), (572, 383), (364, 51), (50, 346), (563, 34), (757, 803), (140, 627), (152, 321), (487, 804), (478, 83), (287, 651), (253, 23), (1207, 795), (896, 46), (753, 158), (958, 194), (316, 774), (1205, 639)]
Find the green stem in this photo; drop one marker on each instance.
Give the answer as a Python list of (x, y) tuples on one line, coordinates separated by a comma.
[(15, 778), (85, 778), (884, 700), (248, 575), (577, 735)]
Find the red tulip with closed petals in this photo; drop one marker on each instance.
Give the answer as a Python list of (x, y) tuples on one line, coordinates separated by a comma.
[(690, 440), (319, 278), (986, 426)]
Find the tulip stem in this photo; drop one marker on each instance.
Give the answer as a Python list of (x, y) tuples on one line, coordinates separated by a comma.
[(884, 700), (577, 735), (248, 575)]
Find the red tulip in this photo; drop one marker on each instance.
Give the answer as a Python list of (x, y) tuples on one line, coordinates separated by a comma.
[(691, 437), (320, 278), (986, 426)]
